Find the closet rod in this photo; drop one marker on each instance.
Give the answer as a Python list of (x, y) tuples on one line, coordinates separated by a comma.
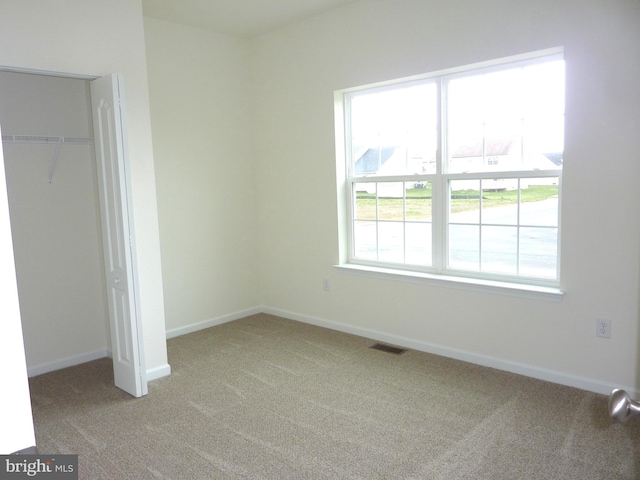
[(44, 139)]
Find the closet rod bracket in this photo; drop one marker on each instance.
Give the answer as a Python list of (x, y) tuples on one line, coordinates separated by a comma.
[(52, 168)]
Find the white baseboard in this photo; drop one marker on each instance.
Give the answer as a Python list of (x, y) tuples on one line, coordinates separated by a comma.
[(194, 327), (158, 372), (553, 376), (35, 370), (540, 373)]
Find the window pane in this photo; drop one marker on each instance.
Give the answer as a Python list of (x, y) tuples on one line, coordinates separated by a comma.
[(464, 247), (500, 201), (418, 201), (539, 252), (464, 206), (507, 120), (500, 249), (391, 201), (365, 244), (418, 244), (365, 201), (539, 202), (391, 240), (394, 132), (543, 143), (544, 108)]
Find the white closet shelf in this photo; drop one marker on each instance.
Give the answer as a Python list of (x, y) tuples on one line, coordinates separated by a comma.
[(47, 139)]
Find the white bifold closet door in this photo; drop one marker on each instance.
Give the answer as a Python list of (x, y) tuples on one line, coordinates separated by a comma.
[(107, 99)]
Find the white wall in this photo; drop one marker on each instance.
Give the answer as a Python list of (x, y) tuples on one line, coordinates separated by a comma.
[(201, 118), (97, 38), (15, 413), (55, 226), (200, 114), (296, 71)]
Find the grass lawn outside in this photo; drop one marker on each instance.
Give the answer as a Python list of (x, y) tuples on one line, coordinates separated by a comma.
[(417, 202)]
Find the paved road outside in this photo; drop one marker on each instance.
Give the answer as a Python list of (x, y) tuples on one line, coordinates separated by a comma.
[(492, 248)]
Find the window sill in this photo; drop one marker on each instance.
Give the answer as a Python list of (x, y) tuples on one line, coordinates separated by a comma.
[(462, 283)]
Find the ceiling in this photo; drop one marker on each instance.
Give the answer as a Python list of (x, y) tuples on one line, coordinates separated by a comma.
[(242, 18)]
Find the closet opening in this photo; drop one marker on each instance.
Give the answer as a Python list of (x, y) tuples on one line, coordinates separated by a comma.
[(69, 205)]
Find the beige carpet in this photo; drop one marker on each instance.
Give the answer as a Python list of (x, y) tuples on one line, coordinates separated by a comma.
[(269, 398)]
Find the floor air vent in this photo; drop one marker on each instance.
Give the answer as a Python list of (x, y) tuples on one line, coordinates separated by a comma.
[(388, 348)]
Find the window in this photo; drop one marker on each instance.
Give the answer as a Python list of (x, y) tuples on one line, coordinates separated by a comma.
[(459, 173)]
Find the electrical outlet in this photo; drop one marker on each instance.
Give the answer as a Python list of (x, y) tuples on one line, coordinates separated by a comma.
[(326, 284), (603, 328)]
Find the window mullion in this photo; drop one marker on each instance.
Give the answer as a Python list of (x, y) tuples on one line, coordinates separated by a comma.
[(519, 229), (351, 182), (404, 222), (377, 223), (480, 229), (439, 201)]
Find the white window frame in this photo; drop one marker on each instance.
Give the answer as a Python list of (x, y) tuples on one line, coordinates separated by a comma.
[(438, 273)]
